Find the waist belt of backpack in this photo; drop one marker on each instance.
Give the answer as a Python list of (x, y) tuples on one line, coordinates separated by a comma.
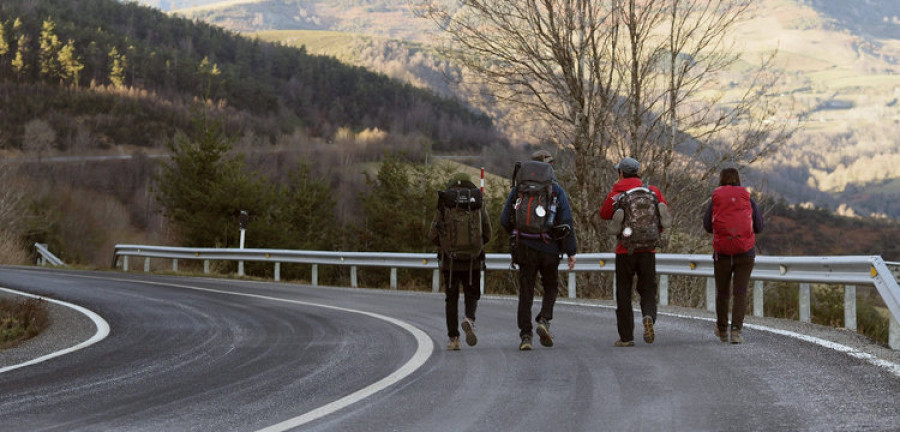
[(542, 237)]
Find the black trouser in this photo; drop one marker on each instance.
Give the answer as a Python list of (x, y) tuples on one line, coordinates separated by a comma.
[(531, 262), (732, 273), (471, 283), (642, 265)]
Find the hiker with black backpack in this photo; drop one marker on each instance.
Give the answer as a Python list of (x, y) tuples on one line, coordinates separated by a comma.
[(734, 220), (638, 213), (538, 217), (461, 227)]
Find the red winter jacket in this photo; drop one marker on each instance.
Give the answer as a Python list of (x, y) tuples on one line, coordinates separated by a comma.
[(607, 210)]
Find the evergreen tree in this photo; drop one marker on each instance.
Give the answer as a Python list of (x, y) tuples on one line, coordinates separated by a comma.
[(203, 191)]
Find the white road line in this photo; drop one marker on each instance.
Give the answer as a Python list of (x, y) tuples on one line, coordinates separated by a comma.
[(423, 351), (99, 322), (891, 367)]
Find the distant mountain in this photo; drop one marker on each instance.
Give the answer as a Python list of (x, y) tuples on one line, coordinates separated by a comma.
[(840, 60)]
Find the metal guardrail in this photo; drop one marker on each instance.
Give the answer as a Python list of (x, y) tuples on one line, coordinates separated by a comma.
[(850, 271), (46, 256)]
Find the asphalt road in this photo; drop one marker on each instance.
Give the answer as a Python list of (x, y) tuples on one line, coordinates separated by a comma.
[(224, 355)]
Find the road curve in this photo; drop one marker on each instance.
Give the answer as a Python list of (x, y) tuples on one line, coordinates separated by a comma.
[(212, 354)]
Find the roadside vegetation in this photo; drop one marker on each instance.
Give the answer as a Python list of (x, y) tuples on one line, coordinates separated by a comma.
[(21, 320)]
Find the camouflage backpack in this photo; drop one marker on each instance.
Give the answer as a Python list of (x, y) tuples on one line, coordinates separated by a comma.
[(640, 227), (460, 230)]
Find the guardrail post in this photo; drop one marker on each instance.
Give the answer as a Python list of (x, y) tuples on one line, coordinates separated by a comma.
[(758, 299), (393, 278), (175, 265), (277, 272), (805, 298), (894, 334), (206, 266), (240, 268), (436, 281), (850, 307), (710, 294), (147, 265), (353, 282), (315, 274), (482, 281), (125, 263), (572, 292), (663, 290)]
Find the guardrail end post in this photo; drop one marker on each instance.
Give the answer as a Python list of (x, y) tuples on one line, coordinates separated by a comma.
[(894, 334)]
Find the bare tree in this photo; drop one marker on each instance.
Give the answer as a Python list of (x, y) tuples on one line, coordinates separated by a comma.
[(616, 78)]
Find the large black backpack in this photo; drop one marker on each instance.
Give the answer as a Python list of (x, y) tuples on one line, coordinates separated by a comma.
[(535, 206)]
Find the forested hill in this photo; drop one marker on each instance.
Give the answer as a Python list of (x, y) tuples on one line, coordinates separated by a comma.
[(103, 71)]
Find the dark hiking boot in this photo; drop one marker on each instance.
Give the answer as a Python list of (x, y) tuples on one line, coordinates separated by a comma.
[(722, 334), (736, 337), (468, 327), (621, 343), (454, 344), (526, 344), (543, 331), (649, 333)]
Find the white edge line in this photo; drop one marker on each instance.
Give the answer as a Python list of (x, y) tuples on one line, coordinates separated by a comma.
[(891, 367), (423, 351), (99, 322)]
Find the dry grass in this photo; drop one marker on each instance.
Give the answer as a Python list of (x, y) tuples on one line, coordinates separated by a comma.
[(21, 320)]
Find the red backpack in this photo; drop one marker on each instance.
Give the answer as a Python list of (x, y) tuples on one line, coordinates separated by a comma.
[(732, 220)]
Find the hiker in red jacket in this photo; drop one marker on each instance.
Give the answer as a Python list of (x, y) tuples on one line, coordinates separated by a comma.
[(639, 261), (734, 220)]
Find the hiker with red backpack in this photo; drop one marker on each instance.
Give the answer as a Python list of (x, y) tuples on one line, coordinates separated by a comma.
[(734, 220), (460, 228), (538, 217), (638, 214)]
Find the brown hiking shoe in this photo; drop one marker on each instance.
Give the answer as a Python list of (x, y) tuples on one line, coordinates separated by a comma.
[(736, 337), (620, 343), (526, 344), (468, 327), (722, 334), (649, 334), (454, 344)]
